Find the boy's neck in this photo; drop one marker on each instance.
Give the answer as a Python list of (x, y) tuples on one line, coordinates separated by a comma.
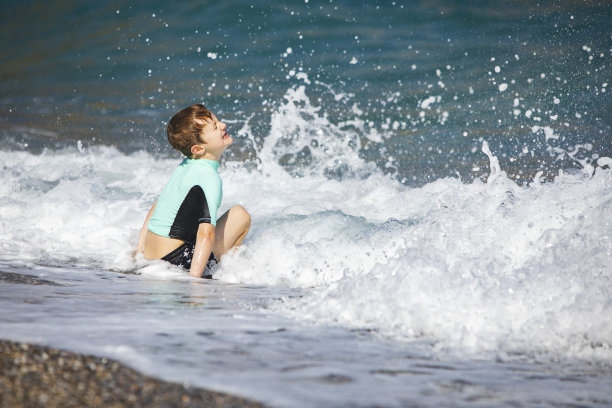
[(207, 156)]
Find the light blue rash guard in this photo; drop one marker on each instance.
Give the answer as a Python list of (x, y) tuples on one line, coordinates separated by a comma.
[(192, 196)]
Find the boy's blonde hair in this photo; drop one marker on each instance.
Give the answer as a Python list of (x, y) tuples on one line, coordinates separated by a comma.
[(183, 129)]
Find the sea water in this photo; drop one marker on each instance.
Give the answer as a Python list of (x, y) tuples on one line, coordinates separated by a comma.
[(430, 189)]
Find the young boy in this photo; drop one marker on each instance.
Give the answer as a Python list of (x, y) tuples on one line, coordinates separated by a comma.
[(182, 226)]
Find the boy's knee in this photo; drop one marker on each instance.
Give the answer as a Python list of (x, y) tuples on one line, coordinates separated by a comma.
[(241, 213)]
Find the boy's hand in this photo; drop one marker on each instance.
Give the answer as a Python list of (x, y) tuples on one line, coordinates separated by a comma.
[(143, 232)]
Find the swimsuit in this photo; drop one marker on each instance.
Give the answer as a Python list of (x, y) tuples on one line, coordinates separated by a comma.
[(192, 196), (182, 256)]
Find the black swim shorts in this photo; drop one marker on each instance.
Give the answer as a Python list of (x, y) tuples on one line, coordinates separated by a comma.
[(182, 256)]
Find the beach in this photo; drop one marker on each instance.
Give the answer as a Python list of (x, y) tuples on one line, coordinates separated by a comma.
[(38, 376)]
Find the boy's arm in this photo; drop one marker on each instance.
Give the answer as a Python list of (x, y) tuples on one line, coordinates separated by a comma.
[(143, 230), (205, 240)]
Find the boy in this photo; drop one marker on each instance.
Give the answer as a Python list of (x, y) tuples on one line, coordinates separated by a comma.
[(182, 226)]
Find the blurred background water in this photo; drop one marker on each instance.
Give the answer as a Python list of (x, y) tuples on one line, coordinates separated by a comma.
[(421, 83)]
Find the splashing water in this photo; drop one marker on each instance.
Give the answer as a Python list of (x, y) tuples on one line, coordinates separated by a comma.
[(482, 267)]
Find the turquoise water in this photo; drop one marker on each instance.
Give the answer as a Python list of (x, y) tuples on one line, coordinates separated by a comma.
[(429, 183)]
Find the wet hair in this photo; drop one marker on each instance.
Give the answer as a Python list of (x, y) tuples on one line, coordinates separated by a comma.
[(183, 129)]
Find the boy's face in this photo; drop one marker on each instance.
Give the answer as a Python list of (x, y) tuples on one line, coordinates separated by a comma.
[(214, 136)]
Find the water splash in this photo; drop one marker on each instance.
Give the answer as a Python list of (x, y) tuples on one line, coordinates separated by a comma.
[(303, 141), (493, 269)]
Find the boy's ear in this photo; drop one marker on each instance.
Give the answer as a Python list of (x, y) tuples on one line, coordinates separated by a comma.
[(198, 150)]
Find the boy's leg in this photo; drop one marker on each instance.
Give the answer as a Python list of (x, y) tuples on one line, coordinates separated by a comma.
[(231, 229)]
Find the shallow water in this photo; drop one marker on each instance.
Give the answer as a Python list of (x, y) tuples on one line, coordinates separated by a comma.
[(222, 336), (430, 187)]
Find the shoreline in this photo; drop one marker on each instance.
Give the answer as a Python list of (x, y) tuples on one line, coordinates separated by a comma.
[(39, 376)]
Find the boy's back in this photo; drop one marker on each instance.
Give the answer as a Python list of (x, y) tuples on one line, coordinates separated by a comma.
[(192, 195)]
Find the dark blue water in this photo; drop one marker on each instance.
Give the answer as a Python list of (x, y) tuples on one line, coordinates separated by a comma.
[(113, 73)]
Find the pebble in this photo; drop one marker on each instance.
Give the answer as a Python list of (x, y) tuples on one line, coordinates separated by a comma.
[(38, 376)]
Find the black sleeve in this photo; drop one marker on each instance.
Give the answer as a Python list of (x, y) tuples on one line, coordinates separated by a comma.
[(192, 212)]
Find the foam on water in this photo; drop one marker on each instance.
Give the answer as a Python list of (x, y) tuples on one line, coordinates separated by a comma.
[(490, 268), (474, 267)]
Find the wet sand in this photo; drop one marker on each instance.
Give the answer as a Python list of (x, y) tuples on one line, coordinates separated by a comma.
[(37, 376)]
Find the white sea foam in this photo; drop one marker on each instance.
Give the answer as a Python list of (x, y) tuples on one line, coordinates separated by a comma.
[(489, 268), (482, 267)]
